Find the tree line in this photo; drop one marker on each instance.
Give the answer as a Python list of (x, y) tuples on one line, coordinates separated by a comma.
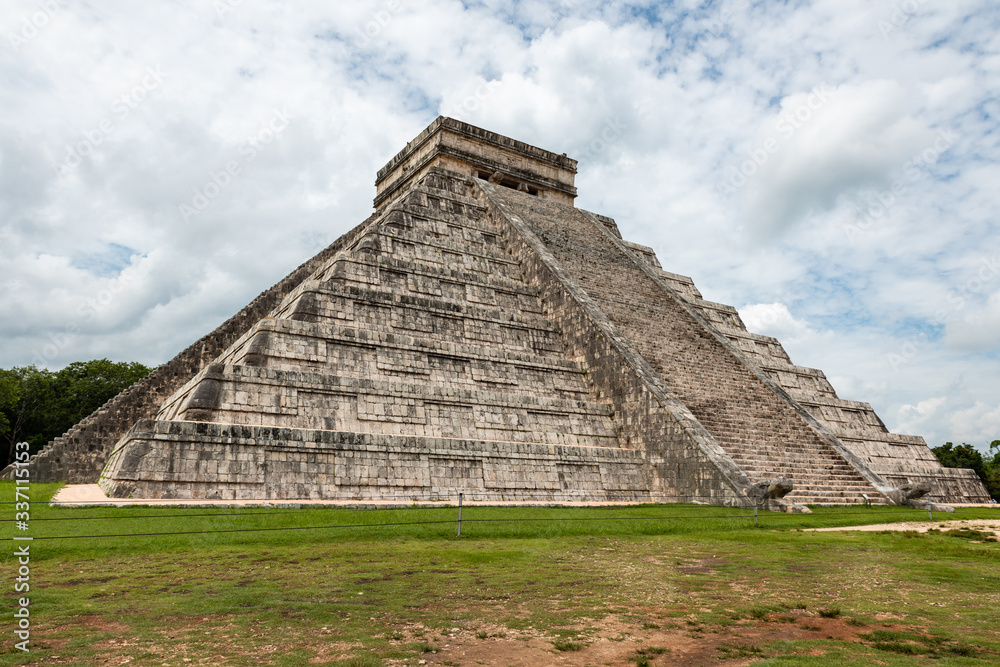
[(967, 456), (38, 405)]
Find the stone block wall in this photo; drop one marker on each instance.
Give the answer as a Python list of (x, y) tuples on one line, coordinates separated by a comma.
[(226, 462), (420, 336)]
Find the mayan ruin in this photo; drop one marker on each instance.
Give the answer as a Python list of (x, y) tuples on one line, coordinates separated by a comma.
[(479, 334)]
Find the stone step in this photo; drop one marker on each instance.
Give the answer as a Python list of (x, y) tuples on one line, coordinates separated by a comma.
[(841, 477), (719, 314), (836, 413), (833, 498), (371, 337), (433, 188), (824, 467), (833, 489), (793, 474), (814, 487), (773, 345), (231, 462), (422, 278), (437, 223), (342, 298), (683, 285), (796, 458), (799, 381), (420, 316), (879, 435), (426, 245), (358, 276), (268, 397), (440, 201), (840, 500), (309, 347), (333, 383)]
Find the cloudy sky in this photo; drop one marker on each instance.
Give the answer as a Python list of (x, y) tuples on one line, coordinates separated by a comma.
[(828, 167)]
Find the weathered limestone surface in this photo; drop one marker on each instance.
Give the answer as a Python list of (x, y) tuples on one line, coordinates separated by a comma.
[(481, 335), (221, 461), (415, 363), (472, 151)]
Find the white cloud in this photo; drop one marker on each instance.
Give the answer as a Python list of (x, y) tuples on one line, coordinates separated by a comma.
[(914, 417), (976, 327), (774, 319), (828, 142), (963, 420)]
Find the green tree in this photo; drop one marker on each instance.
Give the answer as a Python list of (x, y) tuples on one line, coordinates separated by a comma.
[(993, 471), (22, 405), (967, 456), (961, 456), (9, 394), (84, 386), (45, 404)]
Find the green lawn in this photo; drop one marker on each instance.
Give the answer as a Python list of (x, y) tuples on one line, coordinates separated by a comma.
[(618, 586)]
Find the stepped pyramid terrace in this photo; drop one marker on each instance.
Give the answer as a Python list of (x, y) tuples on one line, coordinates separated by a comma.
[(479, 334)]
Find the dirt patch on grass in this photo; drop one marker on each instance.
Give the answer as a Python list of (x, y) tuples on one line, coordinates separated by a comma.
[(46, 638), (619, 643), (699, 565), (83, 582)]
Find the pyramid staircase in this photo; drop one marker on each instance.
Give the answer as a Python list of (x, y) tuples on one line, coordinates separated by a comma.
[(764, 435), (898, 459)]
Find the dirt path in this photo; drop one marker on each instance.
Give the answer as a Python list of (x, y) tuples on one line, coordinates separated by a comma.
[(982, 525)]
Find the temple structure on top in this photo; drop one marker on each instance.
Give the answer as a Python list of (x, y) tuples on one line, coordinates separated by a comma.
[(480, 334), (477, 153)]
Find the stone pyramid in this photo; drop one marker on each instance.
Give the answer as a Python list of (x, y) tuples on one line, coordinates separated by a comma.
[(479, 334)]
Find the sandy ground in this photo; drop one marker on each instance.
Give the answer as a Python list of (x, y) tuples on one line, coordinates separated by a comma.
[(984, 525)]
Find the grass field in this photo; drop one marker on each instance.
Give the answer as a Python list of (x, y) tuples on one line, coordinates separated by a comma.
[(643, 585)]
